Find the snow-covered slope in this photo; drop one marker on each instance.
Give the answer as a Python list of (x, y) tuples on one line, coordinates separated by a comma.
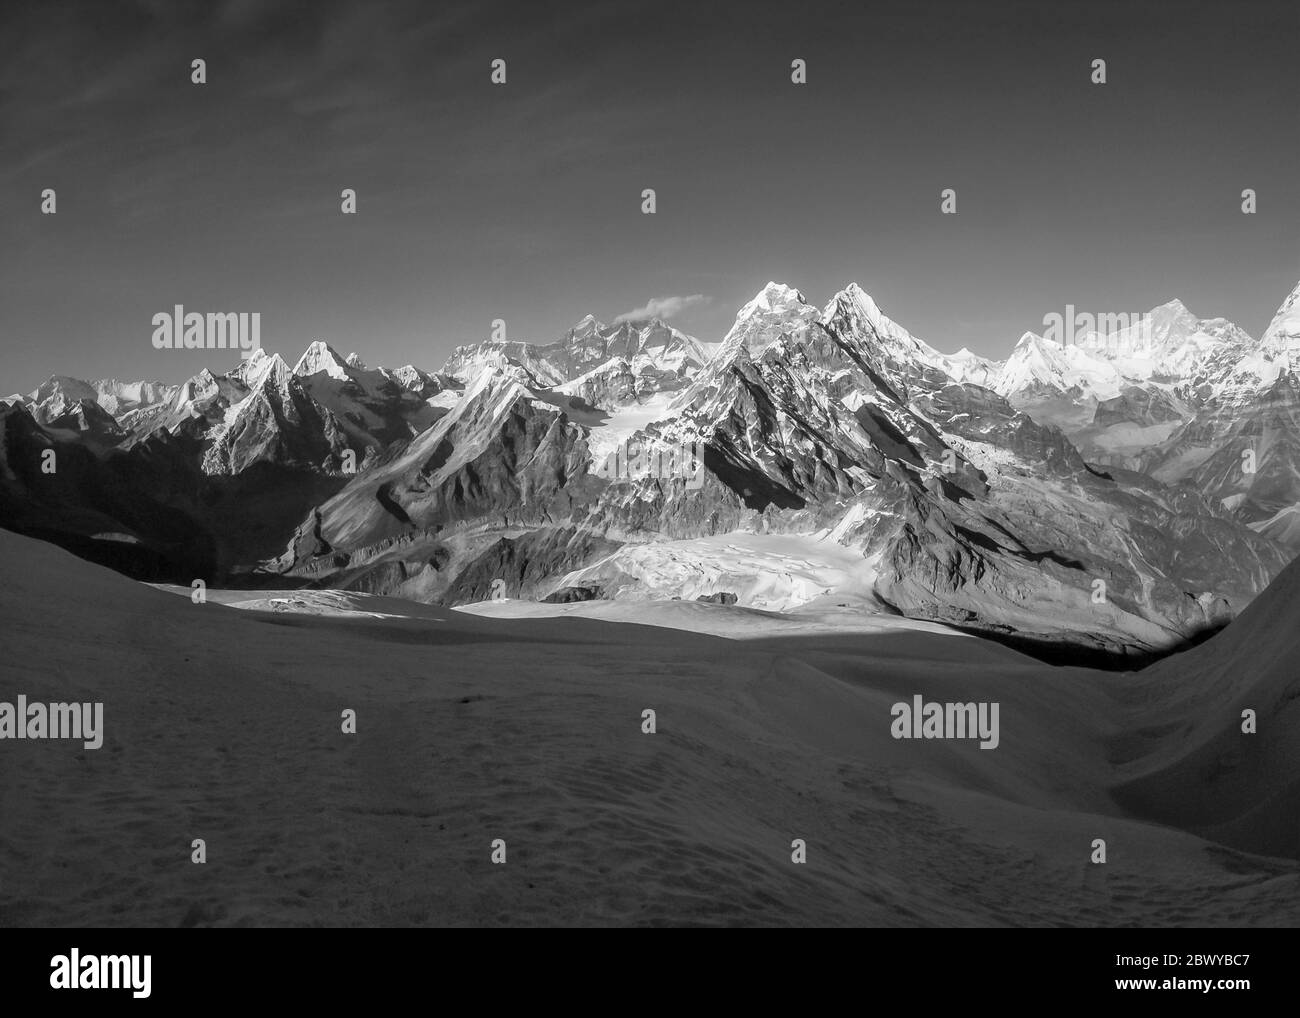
[(1201, 769), (776, 726), (1038, 365)]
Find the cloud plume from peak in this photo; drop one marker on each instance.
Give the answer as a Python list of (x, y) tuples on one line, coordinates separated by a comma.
[(662, 307)]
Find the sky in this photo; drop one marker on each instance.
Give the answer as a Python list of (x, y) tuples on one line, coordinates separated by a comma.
[(523, 201)]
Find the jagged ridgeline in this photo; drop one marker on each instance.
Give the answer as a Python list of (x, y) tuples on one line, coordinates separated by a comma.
[(1092, 492)]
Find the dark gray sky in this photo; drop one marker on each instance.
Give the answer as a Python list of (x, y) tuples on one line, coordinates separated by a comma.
[(522, 201)]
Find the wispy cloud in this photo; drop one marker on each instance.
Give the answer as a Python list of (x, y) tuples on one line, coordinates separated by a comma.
[(662, 307)]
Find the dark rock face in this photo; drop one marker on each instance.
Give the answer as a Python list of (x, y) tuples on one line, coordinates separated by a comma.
[(279, 423), (151, 502), (94, 507), (569, 595), (721, 597)]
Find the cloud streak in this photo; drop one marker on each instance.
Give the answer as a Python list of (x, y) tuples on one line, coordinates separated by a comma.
[(662, 307)]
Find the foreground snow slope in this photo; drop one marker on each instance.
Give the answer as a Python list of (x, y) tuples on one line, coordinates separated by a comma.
[(1199, 769), (225, 724)]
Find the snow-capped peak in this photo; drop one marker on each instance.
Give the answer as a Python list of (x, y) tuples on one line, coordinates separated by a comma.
[(860, 298), (250, 366), (776, 297), (60, 392), (853, 314), (354, 361), (854, 304), (1283, 332), (1174, 306), (408, 376), (775, 311), (1159, 334), (69, 389), (967, 366), (1041, 363), (320, 357), (263, 370), (202, 384), (1166, 345)]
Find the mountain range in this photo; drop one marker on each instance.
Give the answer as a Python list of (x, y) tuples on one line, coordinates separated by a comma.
[(1124, 493)]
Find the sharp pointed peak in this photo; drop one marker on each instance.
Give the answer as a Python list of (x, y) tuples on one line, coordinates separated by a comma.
[(1033, 339), (264, 368), (320, 356), (855, 296), (1173, 309), (320, 347), (1284, 330)]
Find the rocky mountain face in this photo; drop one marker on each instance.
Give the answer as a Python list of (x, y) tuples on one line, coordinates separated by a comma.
[(834, 424), (1082, 493), (204, 479)]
